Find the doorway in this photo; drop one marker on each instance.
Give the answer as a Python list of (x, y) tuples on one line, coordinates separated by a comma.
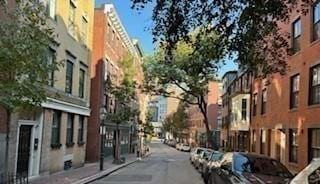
[(24, 149)]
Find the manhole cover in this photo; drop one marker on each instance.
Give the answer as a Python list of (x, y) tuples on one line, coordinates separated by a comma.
[(130, 178)]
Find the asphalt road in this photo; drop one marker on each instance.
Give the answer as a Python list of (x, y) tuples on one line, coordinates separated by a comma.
[(166, 165)]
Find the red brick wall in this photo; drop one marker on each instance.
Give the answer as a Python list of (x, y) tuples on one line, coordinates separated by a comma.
[(106, 45), (93, 139), (278, 113), (213, 97)]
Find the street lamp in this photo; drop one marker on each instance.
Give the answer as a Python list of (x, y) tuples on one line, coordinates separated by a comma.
[(103, 113)]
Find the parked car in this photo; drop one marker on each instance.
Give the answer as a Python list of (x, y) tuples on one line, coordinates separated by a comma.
[(310, 174), (213, 161), (185, 147), (172, 142), (199, 161), (250, 169), (178, 146), (195, 153)]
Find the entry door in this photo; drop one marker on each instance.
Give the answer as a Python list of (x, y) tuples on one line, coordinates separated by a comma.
[(24, 149)]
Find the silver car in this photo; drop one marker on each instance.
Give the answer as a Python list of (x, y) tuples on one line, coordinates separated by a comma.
[(195, 154), (198, 163)]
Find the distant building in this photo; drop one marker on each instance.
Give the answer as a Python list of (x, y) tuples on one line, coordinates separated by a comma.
[(158, 108), (197, 130)]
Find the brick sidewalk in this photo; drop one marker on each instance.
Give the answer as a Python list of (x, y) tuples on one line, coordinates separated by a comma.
[(83, 174)]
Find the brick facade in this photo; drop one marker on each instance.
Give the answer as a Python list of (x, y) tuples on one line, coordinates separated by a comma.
[(111, 44), (195, 117), (272, 130)]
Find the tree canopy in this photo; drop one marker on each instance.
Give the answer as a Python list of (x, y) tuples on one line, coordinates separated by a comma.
[(190, 70), (124, 94), (176, 123), (24, 68), (248, 31)]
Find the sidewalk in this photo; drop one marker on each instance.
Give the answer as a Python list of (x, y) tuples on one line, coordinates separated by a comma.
[(85, 174)]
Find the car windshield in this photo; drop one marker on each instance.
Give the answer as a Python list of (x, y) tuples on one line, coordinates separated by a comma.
[(216, 156), (199, 151), (260, 165), (207, 154)]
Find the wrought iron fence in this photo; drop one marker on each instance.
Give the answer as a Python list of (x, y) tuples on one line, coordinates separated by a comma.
[(13, 178)]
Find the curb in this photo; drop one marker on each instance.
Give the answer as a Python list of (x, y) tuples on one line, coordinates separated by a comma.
[(103, 173)]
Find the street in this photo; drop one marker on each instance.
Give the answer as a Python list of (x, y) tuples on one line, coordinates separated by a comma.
[(166, 165)]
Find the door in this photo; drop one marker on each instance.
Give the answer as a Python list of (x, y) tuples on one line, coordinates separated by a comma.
[(24, 149)]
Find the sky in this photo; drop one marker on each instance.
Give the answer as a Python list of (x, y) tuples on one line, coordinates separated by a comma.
[(138, 25)]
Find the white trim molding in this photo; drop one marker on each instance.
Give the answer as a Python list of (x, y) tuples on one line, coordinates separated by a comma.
[(65, 106)]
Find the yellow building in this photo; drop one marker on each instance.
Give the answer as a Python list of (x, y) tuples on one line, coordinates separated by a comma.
[(57, 131)]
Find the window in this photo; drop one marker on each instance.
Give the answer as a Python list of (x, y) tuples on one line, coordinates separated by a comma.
[(264, 101), (296, 34), (262, 142), (81, 129), (55, 129), (293, 145), (72, 18), (314, 97), (81, 83), (294, 91), (69, 76), (51, 59), (255, 104), (51, 8), (244, 109), (314, 140), (316, 21), (70, 129), (84, 30)]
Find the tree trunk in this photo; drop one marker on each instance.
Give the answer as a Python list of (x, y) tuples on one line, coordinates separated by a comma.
[(203, 108), (6, 165)]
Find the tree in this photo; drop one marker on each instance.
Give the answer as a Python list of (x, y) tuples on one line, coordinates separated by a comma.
[(149, 128), (190, 69), (176, 123), (249, 31), (125, 97), (25, 40)]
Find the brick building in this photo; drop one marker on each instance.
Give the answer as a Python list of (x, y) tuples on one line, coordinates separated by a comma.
[(52, 137), (197, 128), (285, 109), (111, 45)]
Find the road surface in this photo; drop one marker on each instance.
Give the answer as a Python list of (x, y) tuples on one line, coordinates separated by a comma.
[(166, 165)]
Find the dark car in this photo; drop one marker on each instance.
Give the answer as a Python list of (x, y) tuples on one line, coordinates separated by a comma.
[(250, 169), (213, 161)]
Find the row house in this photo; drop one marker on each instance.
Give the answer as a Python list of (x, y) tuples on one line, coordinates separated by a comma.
[(53, 138), (285, 109), (237, 110), (111, 45), (227, 79), (197, 130)]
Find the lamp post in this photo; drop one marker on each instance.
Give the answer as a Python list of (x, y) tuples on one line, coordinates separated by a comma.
[(103, 113)]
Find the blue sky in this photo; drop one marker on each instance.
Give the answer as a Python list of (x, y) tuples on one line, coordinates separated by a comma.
[(138, 24)]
